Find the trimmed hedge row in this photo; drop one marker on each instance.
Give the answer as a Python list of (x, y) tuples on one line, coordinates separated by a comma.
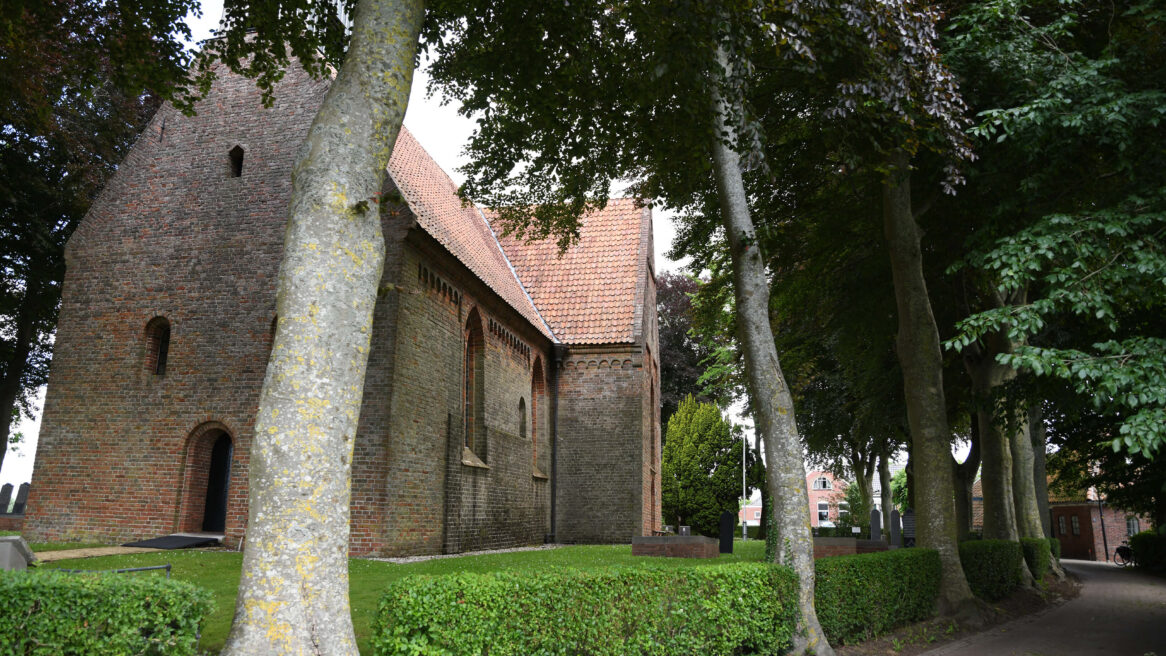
[(722, 609), (992, 567), (1037, 555), (1149, 550), (1055, 546), (55, 614), (859, 597)]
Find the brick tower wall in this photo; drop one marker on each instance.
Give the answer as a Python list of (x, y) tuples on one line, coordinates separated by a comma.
[(172, 235)]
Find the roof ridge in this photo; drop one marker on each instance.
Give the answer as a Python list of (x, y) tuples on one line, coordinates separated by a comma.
[(514, 273)]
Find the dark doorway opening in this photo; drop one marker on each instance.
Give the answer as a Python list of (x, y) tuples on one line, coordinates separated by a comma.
[(214, 518)]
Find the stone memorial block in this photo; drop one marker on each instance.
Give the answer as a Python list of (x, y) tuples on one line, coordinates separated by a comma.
[(21, 499), (5, 497), (876, 524), (728, 527), (14, 553), (685, 530), (896, 536)]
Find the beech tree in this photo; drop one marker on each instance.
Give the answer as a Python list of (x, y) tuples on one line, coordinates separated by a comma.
[(683, 357)]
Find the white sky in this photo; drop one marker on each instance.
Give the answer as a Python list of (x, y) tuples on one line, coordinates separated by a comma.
[(438, 128)]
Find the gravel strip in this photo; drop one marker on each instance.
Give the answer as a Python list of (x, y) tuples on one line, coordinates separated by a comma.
[(417, 559)]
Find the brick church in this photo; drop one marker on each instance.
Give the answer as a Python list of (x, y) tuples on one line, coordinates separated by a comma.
[(511, 394)]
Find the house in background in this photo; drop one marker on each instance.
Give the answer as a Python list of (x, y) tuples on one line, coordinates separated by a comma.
[(826, 498), (1089, 528)]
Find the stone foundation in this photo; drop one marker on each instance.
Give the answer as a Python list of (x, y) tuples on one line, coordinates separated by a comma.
[(676, 546)]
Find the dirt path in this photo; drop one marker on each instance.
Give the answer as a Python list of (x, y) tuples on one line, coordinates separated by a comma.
[(50, 556), (1121, 612)]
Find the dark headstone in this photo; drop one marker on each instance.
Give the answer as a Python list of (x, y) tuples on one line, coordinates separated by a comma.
[(21, 499), (684, 530), (876, 524), (5, 497), (896, 537), (909, 528), (728, 527)]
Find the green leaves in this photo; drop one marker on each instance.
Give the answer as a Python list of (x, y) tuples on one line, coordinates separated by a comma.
[(719, 609), (49, 613)]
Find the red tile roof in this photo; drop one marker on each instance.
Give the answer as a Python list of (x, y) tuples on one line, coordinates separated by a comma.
[(589, 294), (433, 198)]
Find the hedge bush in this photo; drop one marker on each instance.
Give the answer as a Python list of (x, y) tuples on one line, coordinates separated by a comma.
[(992, 567), (1055, 547), (859, 597), (721, 609), (1037, 555), (56, 614), (1149, 550)]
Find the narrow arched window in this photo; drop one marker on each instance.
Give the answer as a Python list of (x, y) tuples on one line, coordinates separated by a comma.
[(157, 345), (236, 155), (539, 453), (473, 384), (522, 418)]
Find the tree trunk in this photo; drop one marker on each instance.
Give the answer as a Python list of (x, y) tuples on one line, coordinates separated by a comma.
[(22, 340), (922, 364), (885, 492), (772, 404), (1040, 478), (293, 592), (1028, 522), (996, 478), (965, 479)]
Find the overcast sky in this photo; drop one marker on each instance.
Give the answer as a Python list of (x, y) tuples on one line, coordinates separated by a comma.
[(438, 128)]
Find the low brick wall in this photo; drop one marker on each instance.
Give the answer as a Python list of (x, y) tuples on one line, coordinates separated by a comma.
[(676, 546), (11, 522), (824, 547)]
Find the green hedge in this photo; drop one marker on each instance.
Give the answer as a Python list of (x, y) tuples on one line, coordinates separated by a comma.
[(1149, 550), (721, 609), (992, 567), (1037, 554), (1055, 547), (56, 614), (859, 597)]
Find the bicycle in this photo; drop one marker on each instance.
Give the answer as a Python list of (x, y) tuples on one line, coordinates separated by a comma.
[(1124, 556)]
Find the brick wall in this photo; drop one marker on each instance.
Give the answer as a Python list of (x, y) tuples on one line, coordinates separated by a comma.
[(173, 235), (124, 452)]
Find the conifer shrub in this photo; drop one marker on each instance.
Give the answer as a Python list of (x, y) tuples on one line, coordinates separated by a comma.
[(738, 608), (1037, 555), (992, 567), (862, 596), (49, 613)]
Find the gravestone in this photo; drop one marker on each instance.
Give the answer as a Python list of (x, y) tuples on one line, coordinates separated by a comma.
[(685, 530), (909, 528), (876, 524), (728, 528), (5, 497), (14, 553), (896, 537), (21, 499)]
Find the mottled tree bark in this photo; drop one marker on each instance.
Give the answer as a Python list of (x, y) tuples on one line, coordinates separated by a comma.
[(1028, 523), (922, 363), (772, 404), (1040, 478), (293, 593)]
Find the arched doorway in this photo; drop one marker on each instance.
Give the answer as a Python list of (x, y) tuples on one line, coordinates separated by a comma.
[(206, 480), (214, 516)]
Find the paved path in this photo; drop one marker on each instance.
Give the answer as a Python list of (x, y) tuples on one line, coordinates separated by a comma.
[(66, 554), (1121, 612)]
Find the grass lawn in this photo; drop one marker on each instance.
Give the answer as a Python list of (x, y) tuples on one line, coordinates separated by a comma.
[(218, 571)]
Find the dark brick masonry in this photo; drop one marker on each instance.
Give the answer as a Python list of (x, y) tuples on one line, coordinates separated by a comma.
[(125, 447)]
